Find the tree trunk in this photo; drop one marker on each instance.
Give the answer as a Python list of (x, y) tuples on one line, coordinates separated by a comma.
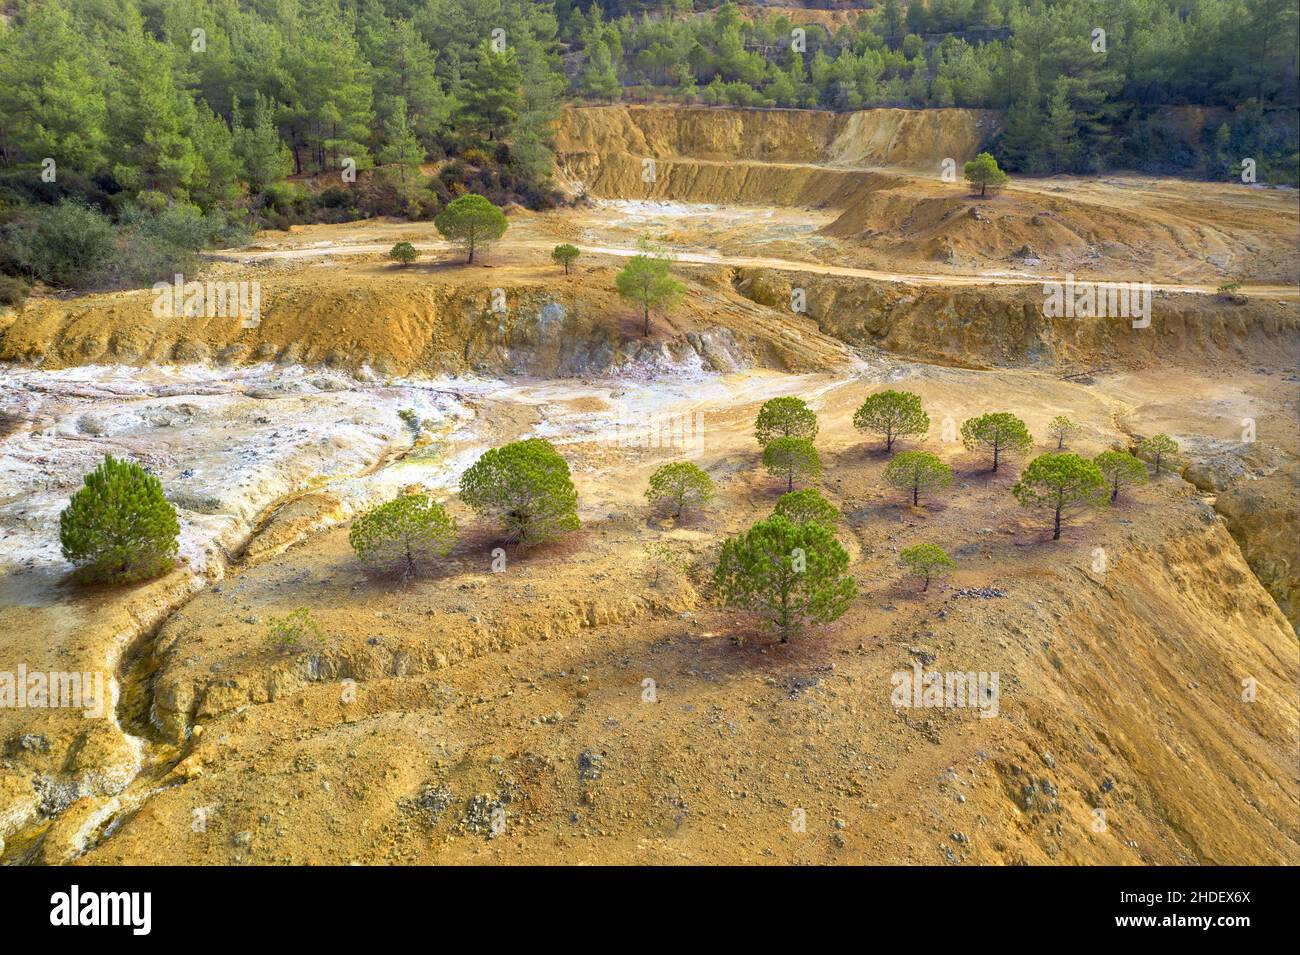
[(1056, 534), (789, 481), (1114, 492), (995, 457), (470, 261), (645, 315), (1060, 441), (916, 494), (926, 586), (983, 188)]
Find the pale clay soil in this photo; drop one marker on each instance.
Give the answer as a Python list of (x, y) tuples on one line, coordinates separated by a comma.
[(578, 708)]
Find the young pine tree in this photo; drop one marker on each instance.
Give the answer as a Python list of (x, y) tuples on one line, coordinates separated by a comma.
[(119, 527), (791, 575)]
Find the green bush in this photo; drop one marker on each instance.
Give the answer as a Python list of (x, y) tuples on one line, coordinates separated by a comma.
[(403, 253), (119, 527), (925, 561), (791, 575), (679, 487), (406, 534), (892, 414), (1000, 432), (66, 246), (792, 458), (807, 506), (917, 471), (1060, 482), (1121, 469), (13, 291), (662, 558), (295, 632), (785, 418), (526, 486)]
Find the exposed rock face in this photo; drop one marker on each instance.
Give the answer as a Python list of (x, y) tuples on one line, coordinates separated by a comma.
[(894, 137), (1263, 514), (987, 326), (409, 327)]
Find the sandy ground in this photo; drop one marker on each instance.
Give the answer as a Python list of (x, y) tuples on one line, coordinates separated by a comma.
[(729, 235)]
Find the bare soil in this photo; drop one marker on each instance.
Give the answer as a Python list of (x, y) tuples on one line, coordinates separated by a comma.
[(579, 706)]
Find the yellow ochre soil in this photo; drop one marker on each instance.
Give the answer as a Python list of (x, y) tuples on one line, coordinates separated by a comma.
[(473, 716)]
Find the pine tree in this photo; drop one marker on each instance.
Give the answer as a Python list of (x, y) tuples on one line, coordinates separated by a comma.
[(646, 282), (598, 77), (472, 222), (119, 527), (401, 147), (407, 535), (1060, 134), (266, 158), (51, 92), (149, 120), (492, 93), (790, 575), (1022, 141), (218, 168)]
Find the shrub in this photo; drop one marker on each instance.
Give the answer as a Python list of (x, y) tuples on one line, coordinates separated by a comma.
[(119, 527), (789, 574), (405, 534), (472, 223), (565, 255), (680, 486), (1062, 429), (1120, 468), (893, 414), (403, 252), (663, 558), (525, 485), (1000, 432), (785, 418), (1159, 450), (294, 632), (926, 561), (807, 506), (790, 458), (1060, 482), (68, 245), (917, 471), (13, 291)]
